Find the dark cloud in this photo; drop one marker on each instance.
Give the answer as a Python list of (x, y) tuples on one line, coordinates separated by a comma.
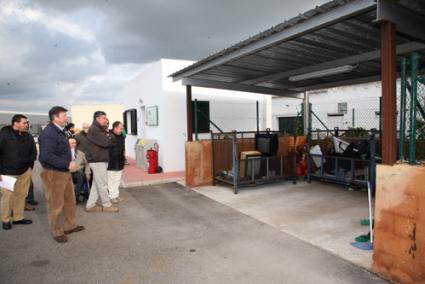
[(63, 51)]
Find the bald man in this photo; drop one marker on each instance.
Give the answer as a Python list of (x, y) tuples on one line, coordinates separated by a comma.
[(82, 138)]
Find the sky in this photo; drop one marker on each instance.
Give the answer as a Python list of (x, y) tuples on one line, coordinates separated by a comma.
[(62, 52)]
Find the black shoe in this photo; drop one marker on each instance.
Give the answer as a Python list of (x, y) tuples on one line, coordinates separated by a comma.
[(22, 222), (7, 226)]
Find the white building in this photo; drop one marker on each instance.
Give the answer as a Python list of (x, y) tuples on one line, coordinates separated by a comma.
[(342, 107), (158, 107)]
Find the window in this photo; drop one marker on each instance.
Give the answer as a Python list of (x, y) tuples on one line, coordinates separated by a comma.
[(342, 107), (130, 121), (203, 116)]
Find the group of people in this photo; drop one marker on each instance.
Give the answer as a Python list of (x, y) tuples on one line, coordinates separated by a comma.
[(95, 155)]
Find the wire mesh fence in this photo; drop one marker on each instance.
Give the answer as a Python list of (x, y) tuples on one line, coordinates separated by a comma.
[(360, 115)]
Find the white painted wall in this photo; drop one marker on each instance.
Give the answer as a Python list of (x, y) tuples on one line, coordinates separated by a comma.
[(364, 98), (228, 109)]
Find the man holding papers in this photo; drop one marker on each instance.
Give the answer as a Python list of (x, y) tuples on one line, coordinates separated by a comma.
[(17, 156)]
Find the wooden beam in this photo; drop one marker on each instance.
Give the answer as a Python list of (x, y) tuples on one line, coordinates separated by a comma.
[(189, 112), (389, 93)]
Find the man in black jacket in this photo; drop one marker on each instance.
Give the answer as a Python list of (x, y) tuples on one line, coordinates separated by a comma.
[(116, 161), (56, 159), (98, 157), (17, 156)]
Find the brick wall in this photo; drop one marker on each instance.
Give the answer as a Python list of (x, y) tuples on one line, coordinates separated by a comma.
[(399, 248)]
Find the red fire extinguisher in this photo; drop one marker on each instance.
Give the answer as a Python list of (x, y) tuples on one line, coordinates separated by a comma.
[(152, 158)]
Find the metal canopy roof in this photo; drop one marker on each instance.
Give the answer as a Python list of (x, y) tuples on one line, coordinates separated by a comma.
[(338, 33)]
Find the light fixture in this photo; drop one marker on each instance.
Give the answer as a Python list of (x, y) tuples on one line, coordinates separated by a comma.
[(323, 73)]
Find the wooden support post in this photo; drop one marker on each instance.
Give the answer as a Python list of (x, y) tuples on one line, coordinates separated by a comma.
[(389, 93), (189, 112)]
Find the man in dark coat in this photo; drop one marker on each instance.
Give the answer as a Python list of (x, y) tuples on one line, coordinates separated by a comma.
[(56, 159), (98, 157), (116, 162), (17, 156)]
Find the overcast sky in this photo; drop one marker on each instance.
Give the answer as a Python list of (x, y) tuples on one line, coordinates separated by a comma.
[(64, 52)]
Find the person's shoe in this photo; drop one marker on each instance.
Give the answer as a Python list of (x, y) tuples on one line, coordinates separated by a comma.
[(29, 207), (7, 225), (76, 229), (22, 222), (111, 209), (61, 239), (115, 200), (95, 208), (33, 203)]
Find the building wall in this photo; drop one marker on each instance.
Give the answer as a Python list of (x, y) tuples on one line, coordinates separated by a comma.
[(364, 99), (229, 110), (84, 113), (143, 91)]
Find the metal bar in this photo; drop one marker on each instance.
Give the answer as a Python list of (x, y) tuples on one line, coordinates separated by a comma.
[(306, 113), (252, 169), (414, 97), (353, 173), (368, 56), (267, 166), (213, 158), (196, 119), (294, 166), (235, 163), (421, 110), (336, 166), (407, 21), (321, 122), (258, 117), (353, 117), (403, 108), (317, 22), (281, 166), (389, 93), (206, 117), (372, 160), (189, 112), (240, 87)]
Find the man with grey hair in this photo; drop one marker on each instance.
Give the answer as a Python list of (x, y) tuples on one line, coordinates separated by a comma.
[(98, 157), (81, 138)]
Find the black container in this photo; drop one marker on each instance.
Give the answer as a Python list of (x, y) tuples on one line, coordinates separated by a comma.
[(266, 143)]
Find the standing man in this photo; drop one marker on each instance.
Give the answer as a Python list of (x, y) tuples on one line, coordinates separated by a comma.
[(56, 159), (98, 157), (81, 138), (17, 156), (116, 161)]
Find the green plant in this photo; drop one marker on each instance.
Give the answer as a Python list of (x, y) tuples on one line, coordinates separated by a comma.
[(356, 132)]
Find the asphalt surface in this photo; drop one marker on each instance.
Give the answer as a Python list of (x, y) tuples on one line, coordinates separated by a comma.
[(167, 234)]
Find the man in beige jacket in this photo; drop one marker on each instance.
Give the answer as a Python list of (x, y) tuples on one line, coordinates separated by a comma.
[(82, 172)]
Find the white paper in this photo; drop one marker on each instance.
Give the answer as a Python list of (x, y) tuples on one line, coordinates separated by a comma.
[(8, 183)]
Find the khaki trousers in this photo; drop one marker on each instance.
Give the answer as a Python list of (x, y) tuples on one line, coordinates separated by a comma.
[(114, 180), (60, 197), (13, 202)]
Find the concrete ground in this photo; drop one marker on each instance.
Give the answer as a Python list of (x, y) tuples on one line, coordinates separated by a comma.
[(325, 215), (167, 234)]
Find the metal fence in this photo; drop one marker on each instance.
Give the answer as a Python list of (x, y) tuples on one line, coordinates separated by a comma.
[(357, 122)]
